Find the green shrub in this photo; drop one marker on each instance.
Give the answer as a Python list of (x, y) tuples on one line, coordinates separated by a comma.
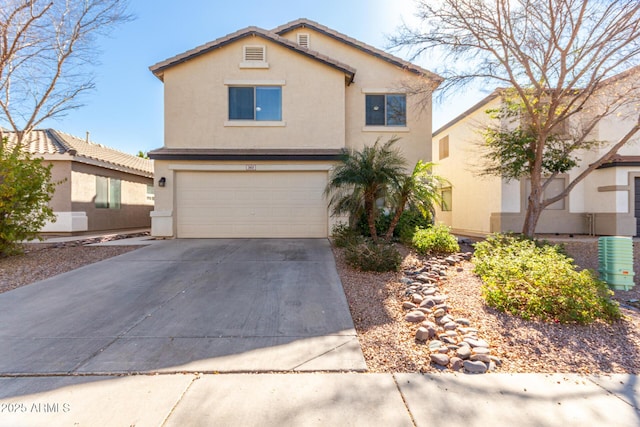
[(368, 256), (435, 240), (409, 222), (537, 281), (25, 190), (382, 224), (343, 235)]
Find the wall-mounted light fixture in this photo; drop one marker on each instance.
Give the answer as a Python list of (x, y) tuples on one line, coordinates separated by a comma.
[(162, 182)]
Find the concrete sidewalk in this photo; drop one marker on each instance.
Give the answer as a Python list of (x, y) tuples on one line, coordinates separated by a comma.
[(321, 399)]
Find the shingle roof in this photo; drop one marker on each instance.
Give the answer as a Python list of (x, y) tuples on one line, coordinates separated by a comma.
[(158, 69), (378, 53), (47, 142)]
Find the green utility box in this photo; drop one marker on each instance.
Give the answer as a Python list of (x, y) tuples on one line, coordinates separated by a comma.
[(615, 262)]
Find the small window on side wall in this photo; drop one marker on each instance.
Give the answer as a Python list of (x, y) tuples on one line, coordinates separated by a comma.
[(443, 146), (386, 110), (447, 199)]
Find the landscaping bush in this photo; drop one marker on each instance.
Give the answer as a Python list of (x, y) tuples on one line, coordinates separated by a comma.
[(369, 256), (382, 224), (537, 281), (435, 240), (343, 235), (409, 222)]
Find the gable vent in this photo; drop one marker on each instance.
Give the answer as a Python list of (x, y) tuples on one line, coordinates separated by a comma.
[(255, 53), (303, 40)]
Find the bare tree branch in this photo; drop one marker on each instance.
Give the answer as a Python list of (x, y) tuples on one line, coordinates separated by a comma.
[(559, 57), (47, 48)]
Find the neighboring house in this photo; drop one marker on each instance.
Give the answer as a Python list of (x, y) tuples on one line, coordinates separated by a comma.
[(606, 202), (255, 120), (102, 189)]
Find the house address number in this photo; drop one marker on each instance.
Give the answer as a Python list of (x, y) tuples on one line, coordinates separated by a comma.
[(251, 167)]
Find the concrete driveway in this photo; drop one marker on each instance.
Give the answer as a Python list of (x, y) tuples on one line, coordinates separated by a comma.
[(186, 306)]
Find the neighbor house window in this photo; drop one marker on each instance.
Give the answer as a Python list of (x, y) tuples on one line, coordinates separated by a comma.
[(255, 103), (443, 146), (150, 193), (555, 187), (447, 199), (386, 110), (108, 192)]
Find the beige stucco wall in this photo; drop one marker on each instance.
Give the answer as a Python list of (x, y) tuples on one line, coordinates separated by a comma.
[(605, 197), (196, 101), (134, 210), (474, 197), (61, 173), (374, 75)]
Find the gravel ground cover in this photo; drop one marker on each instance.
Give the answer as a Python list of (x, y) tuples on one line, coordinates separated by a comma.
[(43, 260), (387, 340), (389, 345)]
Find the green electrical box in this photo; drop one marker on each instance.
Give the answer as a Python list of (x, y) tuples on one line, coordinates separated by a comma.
[(615, 262)]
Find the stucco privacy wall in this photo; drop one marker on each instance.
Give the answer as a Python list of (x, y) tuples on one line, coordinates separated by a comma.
[(196, 101), (377, 76)]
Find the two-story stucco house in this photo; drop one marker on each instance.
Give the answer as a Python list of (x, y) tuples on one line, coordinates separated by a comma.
[(255, 120), (606, 202)]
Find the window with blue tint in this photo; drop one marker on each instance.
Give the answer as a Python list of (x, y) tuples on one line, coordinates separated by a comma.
[(269, 103), (255, 103), (386, 110), (241, 103), (396, 110)]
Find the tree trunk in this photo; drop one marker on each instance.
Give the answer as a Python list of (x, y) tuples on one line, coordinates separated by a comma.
[(395, 220), (534, 209), (369, 208)]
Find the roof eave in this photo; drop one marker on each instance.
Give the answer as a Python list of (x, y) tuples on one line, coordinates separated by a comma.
[(159, 68), (400, 63)]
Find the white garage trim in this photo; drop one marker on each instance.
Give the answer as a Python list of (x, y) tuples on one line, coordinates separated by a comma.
[(250, 166), (240, 204)]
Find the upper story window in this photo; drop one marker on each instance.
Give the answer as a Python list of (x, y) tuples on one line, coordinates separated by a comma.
[(263, 103), (386, 110)]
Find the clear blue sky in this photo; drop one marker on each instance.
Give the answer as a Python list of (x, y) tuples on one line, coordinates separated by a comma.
[(126, 109)]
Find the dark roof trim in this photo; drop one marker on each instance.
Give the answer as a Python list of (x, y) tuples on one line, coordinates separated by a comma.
[(363, 47), (245, 155), (621, 161), (158, 69), (484, 101)]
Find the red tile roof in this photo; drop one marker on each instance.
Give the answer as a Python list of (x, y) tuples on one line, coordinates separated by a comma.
[(50, 143)]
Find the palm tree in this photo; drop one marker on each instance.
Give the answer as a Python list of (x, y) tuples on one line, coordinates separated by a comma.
[(362, 178), (420, 191)]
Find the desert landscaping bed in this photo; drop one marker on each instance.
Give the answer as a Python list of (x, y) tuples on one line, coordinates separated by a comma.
[(389, 344)]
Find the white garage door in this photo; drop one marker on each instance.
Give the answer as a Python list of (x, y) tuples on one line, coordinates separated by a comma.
[(251, 204)]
